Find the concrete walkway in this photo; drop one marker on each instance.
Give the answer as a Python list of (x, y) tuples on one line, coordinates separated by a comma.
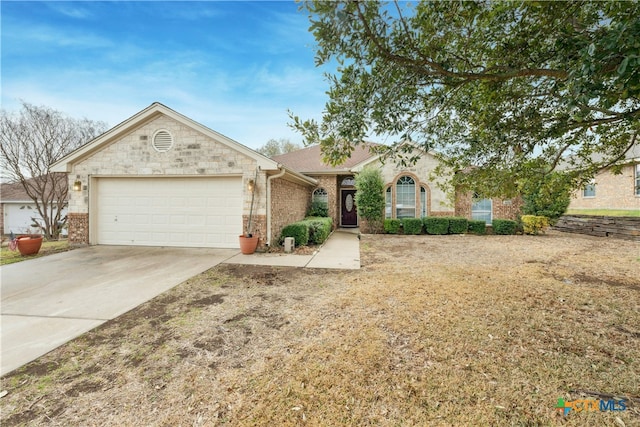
[(341, 251)]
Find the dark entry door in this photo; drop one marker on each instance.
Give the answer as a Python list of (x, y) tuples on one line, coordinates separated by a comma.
[(349, 211)]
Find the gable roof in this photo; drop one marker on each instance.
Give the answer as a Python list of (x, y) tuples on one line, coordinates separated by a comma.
[(15, 192), (309, 160), (150, 113)]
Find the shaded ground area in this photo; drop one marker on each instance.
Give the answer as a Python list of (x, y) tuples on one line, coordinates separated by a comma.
[(434, 330)]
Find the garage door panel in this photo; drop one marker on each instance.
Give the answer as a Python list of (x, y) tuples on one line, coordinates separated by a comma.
[(193, 212)]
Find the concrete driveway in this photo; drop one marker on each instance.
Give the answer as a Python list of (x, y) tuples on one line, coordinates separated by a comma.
[(50, 300)]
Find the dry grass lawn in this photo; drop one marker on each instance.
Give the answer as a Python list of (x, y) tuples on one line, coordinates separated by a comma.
[(433, 330)]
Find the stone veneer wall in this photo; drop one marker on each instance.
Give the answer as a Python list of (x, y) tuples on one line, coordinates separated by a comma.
[(289, 203), (78, 228), (193, 154), (258, 227)]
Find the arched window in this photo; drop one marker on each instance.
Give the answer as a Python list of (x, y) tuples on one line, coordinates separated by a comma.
[(320, 196), (319, 203), (405, 197)]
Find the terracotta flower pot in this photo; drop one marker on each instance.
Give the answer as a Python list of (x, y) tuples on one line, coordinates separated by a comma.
[(248, 245), (29, 245)]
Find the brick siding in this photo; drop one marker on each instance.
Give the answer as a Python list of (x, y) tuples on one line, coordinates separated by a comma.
[(331, 185), (501, 208), (289, 203), (612, 191)]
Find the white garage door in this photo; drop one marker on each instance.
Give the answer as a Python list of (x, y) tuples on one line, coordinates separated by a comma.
[(188, 212)]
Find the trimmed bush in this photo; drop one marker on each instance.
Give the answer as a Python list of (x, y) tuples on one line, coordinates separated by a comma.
[(318, 209), (298, 230), (319, 229), (533, 224), (412, 225), (504, 226), (391, 225), (436, 224), (477, 226), (458, 225)]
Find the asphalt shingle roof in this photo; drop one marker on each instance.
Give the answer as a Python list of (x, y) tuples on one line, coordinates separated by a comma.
[(309, 159)]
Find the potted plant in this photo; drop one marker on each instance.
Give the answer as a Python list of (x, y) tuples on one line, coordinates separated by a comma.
[(249, 242), (28, 244)]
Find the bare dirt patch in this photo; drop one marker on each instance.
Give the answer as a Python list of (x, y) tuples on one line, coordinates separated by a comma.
[(433, 330)]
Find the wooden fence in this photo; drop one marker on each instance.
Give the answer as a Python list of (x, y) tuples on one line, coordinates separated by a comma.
[(619, 227)]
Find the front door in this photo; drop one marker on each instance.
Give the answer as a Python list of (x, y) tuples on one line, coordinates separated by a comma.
[(349, 213)]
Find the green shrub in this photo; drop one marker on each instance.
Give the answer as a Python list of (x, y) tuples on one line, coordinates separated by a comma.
[(477, 226), (319, 229), (504, 226), (412, 225), (370, 197), (436, 224), (547, 195), (458, 225), (318, 209), (533, 224), (391, 225), (298, 230)]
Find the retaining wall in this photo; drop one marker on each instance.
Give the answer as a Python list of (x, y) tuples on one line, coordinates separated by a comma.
[(619, 227)]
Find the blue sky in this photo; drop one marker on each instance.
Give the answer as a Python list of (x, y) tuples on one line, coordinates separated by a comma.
[(235, 67)]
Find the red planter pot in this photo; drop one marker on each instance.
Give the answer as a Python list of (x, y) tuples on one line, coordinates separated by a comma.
[(29, 245), (248, 245)]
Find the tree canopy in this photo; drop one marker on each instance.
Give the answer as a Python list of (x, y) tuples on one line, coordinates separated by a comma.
[(501, 90), (275, 147), (31, 140)]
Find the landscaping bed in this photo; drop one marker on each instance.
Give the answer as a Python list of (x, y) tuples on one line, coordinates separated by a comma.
[(433, 330)]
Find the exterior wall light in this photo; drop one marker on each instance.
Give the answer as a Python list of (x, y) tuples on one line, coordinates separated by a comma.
[(250, 185), (77, 185)]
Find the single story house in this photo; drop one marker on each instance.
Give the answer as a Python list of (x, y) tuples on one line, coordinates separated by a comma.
[(409, 191), (18, 213), (609, 190), (162, 179)]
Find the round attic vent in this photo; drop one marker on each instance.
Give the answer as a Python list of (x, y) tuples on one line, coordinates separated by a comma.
[(162, 141)]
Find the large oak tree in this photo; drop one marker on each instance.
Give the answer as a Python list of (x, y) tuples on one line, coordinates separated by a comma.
[(31, 140), (502, 90)]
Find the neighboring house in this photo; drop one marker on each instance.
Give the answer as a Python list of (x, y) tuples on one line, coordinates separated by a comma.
[(612, 191), (18, 213), (162, 179)]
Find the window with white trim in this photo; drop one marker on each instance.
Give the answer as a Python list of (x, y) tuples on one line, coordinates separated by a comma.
[(481, 209), (320, 196), (589, 190), (637, 179), (405, 197)]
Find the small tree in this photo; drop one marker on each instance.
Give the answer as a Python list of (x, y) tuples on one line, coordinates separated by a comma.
[(548, 195), (370, 197), (30, 142)]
